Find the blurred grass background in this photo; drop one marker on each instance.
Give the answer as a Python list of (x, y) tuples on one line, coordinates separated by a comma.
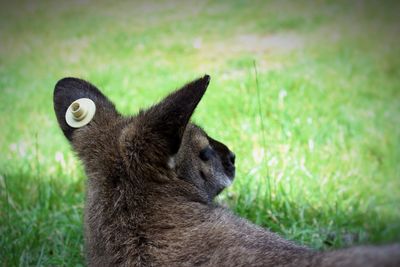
[(305, 92)]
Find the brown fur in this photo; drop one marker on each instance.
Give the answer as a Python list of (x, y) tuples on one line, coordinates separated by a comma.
[(143, 210)]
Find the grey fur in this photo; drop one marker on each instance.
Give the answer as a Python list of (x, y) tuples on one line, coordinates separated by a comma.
[(142, 211)]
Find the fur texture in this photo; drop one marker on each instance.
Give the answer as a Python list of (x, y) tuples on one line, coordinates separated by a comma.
[(143, 210)]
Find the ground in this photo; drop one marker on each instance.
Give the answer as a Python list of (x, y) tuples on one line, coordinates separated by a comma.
[(307, 94)]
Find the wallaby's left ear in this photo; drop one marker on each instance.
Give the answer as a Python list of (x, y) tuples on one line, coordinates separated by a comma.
[(67, 90), (168, 119)]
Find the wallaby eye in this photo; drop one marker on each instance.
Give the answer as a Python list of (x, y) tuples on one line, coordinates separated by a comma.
[(206, 154)]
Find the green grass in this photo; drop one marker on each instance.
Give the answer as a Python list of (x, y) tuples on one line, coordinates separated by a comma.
[(316, 131)]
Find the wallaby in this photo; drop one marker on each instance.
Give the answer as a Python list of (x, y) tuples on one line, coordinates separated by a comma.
[(152, 178)]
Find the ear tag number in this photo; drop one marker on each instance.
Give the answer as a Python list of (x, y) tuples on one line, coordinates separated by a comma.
[(80, 112)]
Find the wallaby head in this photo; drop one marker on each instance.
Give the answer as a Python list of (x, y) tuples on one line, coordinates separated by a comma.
[(204, 161), (137, 144), (153, 143)]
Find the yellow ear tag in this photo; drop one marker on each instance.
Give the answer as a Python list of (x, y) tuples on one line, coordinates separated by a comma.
[(80, 112)]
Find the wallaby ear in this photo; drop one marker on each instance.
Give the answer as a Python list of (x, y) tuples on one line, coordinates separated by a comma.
[(67, 90), (169, 117)]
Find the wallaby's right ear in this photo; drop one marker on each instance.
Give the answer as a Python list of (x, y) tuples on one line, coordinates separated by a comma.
[(166, 121), (68, 90)]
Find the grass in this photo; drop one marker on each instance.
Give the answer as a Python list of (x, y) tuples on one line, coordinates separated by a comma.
[(306, 93)]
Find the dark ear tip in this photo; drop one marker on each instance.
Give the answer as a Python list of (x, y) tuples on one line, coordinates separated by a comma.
[(206, 78), (65, 82), (64, 85)]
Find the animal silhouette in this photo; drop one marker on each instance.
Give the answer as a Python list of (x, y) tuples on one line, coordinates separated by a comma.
[(151, 180)]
